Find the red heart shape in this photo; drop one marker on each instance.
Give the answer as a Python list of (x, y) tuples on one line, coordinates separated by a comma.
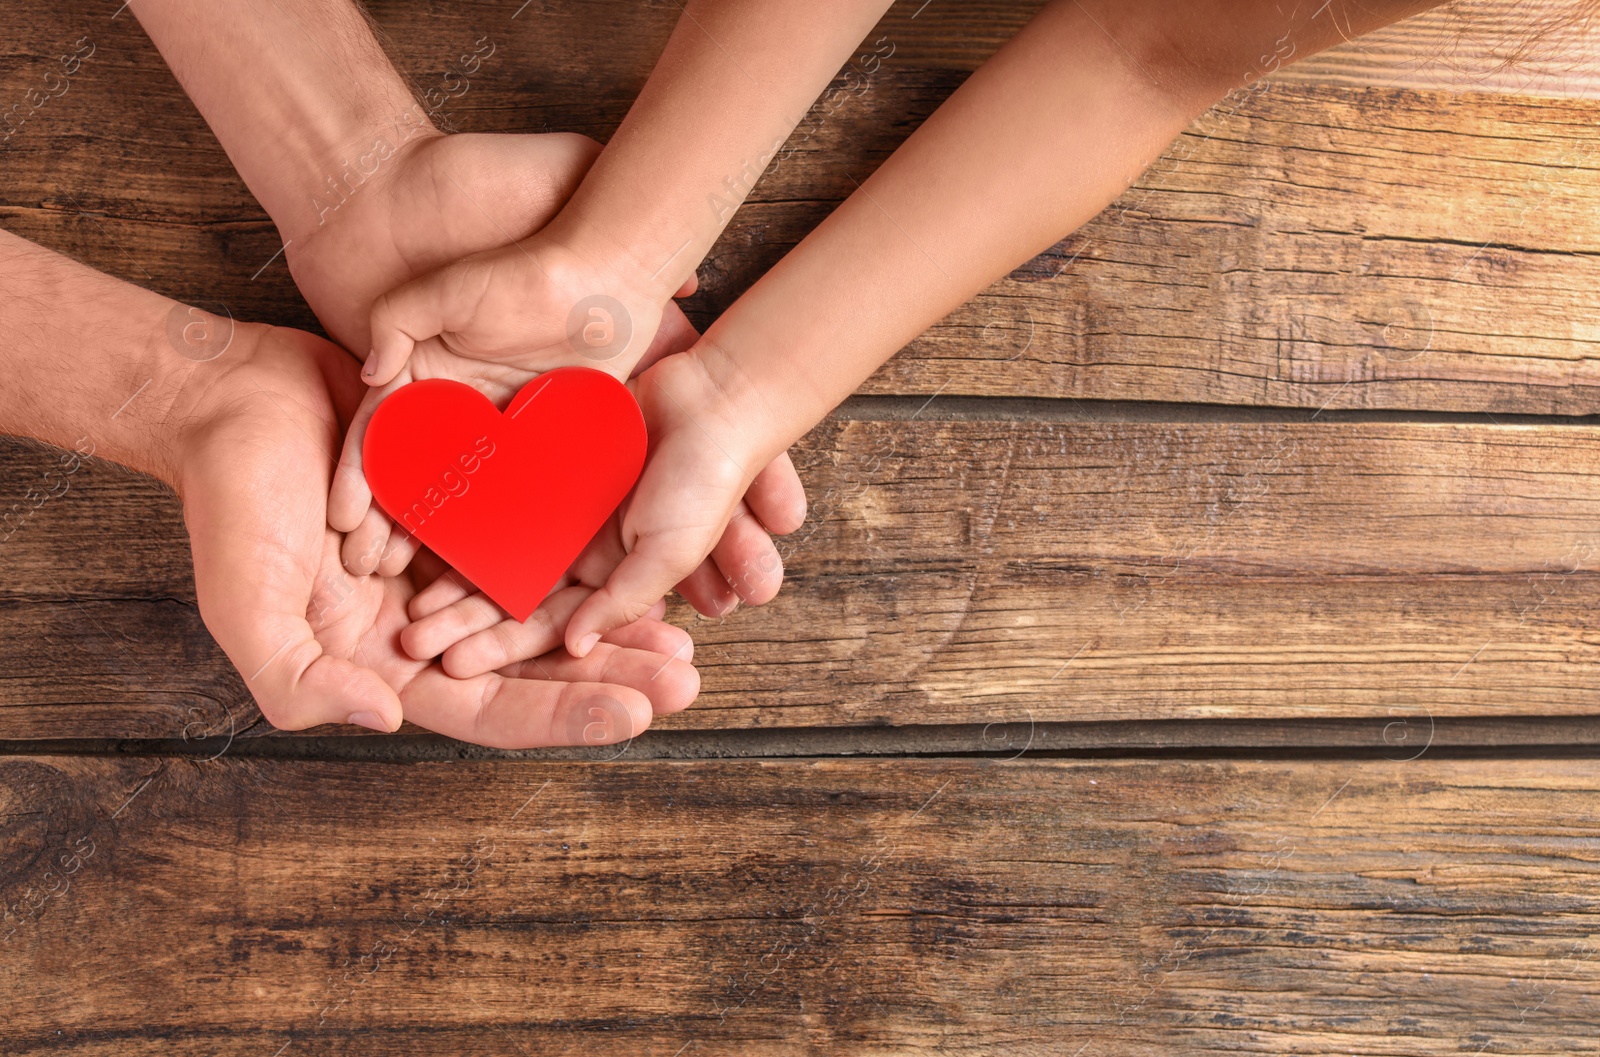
[(508, 499)]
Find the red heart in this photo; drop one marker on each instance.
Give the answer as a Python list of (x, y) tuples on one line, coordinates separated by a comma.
[(509, 499)]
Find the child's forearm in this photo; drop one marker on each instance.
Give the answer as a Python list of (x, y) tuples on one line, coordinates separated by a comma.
[(1037, 141), (299, 92), (734, 80)]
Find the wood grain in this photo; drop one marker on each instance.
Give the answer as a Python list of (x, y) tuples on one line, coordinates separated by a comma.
[(248, 907), (1307, 243), (968, 571), (1506, 46), (1315, 248)]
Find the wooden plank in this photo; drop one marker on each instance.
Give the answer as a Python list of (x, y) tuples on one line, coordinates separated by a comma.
[(967, 571), (1541, 48), (919, 906), (1307, 243), (982, 571)]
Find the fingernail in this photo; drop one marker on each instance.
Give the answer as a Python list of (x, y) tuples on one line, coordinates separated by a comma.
[(586, 644), (371, 369), (370, 720)]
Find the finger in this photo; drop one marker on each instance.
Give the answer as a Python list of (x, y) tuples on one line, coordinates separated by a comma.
[(669, 683), (654, 636), (432, 635), (525, 713), (748, 559), (402, 547), (492, 639), (297, 685), (777, 497), (444, 300), (363, 548), (510, 641), (349, 499), (708, 590), (647, 574), (450, 588), (690, 285)]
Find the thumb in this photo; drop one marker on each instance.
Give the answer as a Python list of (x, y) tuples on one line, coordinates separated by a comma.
[(258, 617), (350, 498), (297, 685), (412, 313)]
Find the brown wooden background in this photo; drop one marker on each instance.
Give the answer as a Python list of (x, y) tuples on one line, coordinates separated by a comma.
[(1192, 646)]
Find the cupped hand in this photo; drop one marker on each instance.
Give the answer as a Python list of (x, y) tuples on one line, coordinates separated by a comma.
[(315, 644), (699, 518), (434, 200), (437, 200)]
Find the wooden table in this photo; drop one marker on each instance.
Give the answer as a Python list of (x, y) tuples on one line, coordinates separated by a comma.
[(1192, 647)]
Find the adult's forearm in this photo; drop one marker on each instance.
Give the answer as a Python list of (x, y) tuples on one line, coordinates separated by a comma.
[(734, 80), (299, 92), (1034, 144), (94, 363)]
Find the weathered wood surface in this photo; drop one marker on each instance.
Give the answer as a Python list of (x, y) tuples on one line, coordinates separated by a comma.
[(252, 907), (1011, 577), (1309, 243), (1548, 47), (962, 571)]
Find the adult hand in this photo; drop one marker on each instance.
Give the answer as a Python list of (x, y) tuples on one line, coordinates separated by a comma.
[(435, 199), (253, 463)]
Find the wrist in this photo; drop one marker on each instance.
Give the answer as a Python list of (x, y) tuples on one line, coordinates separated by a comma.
[(354, 155), (709, 387), (621, 247), (123, 396), (188, 356), (140, 365), (299, 122)]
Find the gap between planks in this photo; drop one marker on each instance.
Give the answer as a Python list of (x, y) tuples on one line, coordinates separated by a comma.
[(938, 407), (1408, 733)]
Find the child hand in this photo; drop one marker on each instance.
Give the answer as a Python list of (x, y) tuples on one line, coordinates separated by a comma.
[(699, 520), (746, 565), (536, 304)]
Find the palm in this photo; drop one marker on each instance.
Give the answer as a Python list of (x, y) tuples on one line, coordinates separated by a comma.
[(316, 644)]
